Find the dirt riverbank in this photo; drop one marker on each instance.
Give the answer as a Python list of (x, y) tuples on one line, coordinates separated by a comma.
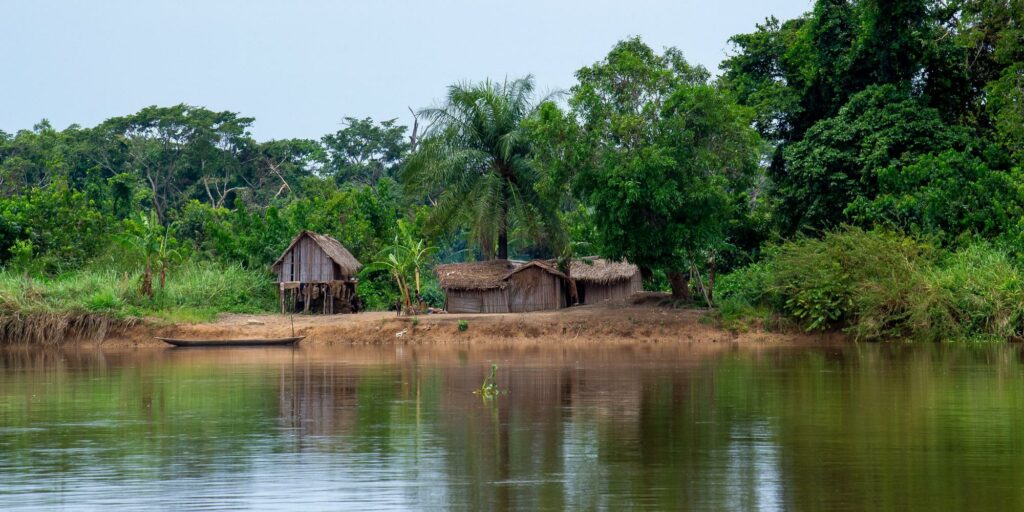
[(641, 323)]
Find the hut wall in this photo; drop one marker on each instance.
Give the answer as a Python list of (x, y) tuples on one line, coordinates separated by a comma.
[(534, 289), (594, 293), (307, 262), (477, 301)]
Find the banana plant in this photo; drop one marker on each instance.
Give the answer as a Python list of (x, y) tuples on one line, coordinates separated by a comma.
[(402, 260)]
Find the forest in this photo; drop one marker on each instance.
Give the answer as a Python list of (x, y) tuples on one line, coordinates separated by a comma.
[(860, 167)]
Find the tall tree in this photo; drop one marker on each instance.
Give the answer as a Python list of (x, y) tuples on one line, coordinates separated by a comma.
[(365, 151), (664, 151), (476, 162), (181, 152)]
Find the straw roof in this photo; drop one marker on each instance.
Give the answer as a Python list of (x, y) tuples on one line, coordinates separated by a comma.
[(338, 253), (601, 271), (543, 265), (480, 275)]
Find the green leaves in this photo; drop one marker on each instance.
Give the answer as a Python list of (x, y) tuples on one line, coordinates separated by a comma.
[(476, 166), (839, 159), (662, 151)]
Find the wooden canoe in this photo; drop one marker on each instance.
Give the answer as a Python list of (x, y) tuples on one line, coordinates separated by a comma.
[(255, 342)]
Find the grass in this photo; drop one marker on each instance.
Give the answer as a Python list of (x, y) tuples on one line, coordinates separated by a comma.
[(879, 285), (91, 301)]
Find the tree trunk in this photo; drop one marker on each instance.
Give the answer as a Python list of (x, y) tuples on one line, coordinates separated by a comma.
[(503, 232), (680, 282), (712, 266), (147, 281)]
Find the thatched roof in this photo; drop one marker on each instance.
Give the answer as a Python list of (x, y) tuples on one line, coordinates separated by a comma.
[(601, 271), (541, 264), (480, 275), (338, 253)]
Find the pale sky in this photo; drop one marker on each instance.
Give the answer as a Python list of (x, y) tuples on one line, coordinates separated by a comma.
[(299, 67)]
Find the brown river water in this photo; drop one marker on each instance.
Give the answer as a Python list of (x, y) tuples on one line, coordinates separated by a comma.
[(607, 426)]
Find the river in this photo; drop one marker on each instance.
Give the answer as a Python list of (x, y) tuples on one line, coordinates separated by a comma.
[(608, 426)]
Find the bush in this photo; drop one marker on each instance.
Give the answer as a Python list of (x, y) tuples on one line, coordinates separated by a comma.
[(881, 285), (981, 293), (196, 291), (463, 325)]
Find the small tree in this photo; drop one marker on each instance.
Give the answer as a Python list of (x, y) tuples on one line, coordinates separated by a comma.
[(404, 259), (154, 243)]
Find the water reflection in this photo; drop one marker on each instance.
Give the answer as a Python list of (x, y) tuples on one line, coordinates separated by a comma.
[(609, 426)]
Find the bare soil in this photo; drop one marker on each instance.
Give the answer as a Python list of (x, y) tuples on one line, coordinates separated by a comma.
[(598, 323)]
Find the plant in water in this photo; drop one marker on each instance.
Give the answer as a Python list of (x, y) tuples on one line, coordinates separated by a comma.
[(463, 325), (489, 387)]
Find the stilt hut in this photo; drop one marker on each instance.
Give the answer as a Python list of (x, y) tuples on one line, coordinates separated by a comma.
[(317, 274), (501, 286), (599, 280)]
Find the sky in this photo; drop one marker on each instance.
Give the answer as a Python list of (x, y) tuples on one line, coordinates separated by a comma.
[(299, 67)]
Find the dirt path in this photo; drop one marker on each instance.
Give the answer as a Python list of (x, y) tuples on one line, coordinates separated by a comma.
[(579, 324)]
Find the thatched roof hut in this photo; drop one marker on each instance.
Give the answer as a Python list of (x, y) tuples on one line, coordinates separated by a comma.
[(599, 280), (479, 275), (535, 286), (315, 257), (319, 272), (501, 286)]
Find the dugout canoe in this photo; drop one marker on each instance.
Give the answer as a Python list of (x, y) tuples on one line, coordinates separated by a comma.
[(251, 342)]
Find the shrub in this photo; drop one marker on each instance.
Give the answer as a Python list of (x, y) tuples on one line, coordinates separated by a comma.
[(846, 275), (463, 325), (982, 294), (880, 285)]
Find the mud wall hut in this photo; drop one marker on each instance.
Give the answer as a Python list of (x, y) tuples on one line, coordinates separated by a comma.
[(501, 286), (599, 280), (317, 274)]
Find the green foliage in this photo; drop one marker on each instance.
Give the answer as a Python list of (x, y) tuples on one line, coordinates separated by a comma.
[(475, 164), (62, 227), (365, 151), (463, 325), (664, 152), (952, 197), (404, 260), (194, 290), (881, 285), (839, 159)]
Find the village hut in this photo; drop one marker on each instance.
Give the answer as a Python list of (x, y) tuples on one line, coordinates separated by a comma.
[(535, 286), (599, 280), (501, 286), (477, 287), (317, 274)]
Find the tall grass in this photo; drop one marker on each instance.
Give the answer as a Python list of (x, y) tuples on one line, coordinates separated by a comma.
[(87, 303), (882, 285)]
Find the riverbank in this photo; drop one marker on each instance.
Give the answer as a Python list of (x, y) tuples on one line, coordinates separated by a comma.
[(611, 322)]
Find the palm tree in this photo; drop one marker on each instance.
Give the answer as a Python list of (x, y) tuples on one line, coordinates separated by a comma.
[(475, 162)]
